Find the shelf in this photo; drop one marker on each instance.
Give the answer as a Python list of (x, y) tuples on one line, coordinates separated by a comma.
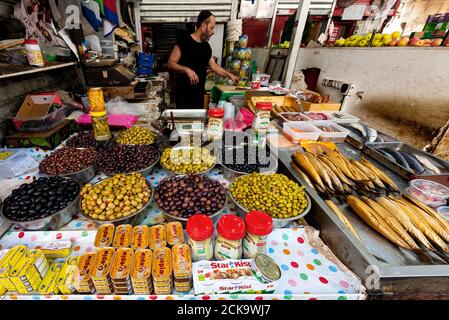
[(10, 71)]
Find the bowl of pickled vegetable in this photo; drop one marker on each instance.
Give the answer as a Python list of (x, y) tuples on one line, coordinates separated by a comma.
[(187, 160), (283, 199)]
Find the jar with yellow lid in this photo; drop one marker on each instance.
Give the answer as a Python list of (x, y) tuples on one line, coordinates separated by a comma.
[(98, 114)]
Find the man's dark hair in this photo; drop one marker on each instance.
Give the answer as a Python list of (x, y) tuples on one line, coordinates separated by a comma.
[(203, 17)]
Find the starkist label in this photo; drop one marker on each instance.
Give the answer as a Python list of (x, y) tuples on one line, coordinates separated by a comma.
[(236, 264)]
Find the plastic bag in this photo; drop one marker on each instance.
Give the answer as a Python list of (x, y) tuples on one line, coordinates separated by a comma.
[(245, 116)]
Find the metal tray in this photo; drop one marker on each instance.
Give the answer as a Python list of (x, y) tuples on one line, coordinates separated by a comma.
[(370, 149)]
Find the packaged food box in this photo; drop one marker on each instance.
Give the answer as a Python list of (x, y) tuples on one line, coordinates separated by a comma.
[(83, 281), (158, 237), (298, 131), (141, 237), (29, 271), (15, 162), (175, 233), (105, 235), (7, 263), (57, 249), (49, 283), (66, 278), (123, 236), (228, 276)]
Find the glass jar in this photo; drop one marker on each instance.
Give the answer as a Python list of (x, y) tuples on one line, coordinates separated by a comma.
[(262, 118), (231, 230), (259, 225), (215, 125), (200, 229), (101, 126)]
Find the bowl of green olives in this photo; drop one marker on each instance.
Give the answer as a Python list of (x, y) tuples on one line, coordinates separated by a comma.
[(283, 199), (187, 160)]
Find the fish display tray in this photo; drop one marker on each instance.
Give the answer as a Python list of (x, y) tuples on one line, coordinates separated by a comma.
[(370, 149)]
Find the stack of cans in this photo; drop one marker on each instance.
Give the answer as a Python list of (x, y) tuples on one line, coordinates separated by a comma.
[(162, 271), (48, 285), (182, 267), (121, 270), (83, 280), (100, 271), (66, 278), (141, 272), (9, 260), (29, 271)]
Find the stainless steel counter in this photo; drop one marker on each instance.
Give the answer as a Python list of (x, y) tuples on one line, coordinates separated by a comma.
[(380, 264)]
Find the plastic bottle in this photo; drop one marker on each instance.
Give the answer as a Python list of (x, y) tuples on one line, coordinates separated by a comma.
[(34, 53), (258, 227), (229, 111), (98, 115), (200, 229), (231, 230), (215, 124)]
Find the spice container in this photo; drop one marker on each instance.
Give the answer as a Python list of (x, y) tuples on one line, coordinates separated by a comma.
[(215, 124), (265, 269), (98, 114), (200, 229), (258, 226), (231, 230), (34, 53), (262, 118)]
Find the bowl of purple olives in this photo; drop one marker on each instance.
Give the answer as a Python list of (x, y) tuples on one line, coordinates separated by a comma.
[(180, 197), (46, 203)]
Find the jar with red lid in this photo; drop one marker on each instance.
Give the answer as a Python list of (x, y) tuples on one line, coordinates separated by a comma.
[(215, 124), (200, 229), (262, 117), (259, 225), (231, 230), (34, 53)]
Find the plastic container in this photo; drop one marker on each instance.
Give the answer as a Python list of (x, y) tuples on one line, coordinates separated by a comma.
[(338, 133), (444, 212), (231, 230), (215, 124), (262, 117), (301, 117), (312, 132), (200, 229), (229, 111), (259, 225), (265, 80), (15, 162), (34, 53), (429, 192), (341, 117), (316, 116), (237, 101), (255, 84)]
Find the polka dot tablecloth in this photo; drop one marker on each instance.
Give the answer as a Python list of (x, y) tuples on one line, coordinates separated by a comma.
[(306, 274)]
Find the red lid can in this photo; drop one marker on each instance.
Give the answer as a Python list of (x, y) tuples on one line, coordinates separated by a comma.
[(231, 227), (264, 105), (200, 227), (258, 223), (216, 112), (30, 41)]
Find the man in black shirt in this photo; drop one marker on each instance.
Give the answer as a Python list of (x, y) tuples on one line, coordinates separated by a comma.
[(190, 58)]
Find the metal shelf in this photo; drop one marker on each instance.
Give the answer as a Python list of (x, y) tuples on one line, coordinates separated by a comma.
[(11, 71)]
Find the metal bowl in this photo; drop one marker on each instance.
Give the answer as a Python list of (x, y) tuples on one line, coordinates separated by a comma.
[(133, 219), (277, 223), (145, 172), (172, 173), (52, 222), (157, 137), (214, 216)]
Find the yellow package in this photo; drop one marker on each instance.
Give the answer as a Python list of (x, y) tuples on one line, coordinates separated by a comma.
[(7, 263), (162, 268), (29, 271), (141, 235), (175, 233), (123, 235), (103, 263), (121, 267), (158, 237), (85, 265), (66, 278), (141, 270), (48, 284), (182, 261), (105, 235), (57, 249)]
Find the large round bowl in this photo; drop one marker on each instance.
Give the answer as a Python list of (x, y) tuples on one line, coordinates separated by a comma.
[(230, 174), (145, 171), (277, 223), (133, 219), (52, 222), (173, 173), (157, 138), (169, 217)]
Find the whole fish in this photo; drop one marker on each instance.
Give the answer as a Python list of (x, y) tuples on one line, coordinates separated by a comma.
[(398, 157), (386, 154), (426, 162), (361, 128), (416, 166), (372, 134)]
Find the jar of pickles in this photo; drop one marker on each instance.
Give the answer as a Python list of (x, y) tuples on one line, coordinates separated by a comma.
[(98, 114)]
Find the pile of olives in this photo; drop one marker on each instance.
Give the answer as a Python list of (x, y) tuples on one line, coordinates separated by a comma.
[(272, 193), (67, 160), (245, 159), (40, 198), (83, 139), (136, 135), (116, 197), (187, 160)]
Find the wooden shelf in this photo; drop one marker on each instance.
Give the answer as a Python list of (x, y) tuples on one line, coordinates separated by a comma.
[(10, 71)]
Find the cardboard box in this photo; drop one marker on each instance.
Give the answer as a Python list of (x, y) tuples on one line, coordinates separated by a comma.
[(308, 106), (39, 112)]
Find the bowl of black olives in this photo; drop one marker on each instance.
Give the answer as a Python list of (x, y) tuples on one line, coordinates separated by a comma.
[(46, 203)]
